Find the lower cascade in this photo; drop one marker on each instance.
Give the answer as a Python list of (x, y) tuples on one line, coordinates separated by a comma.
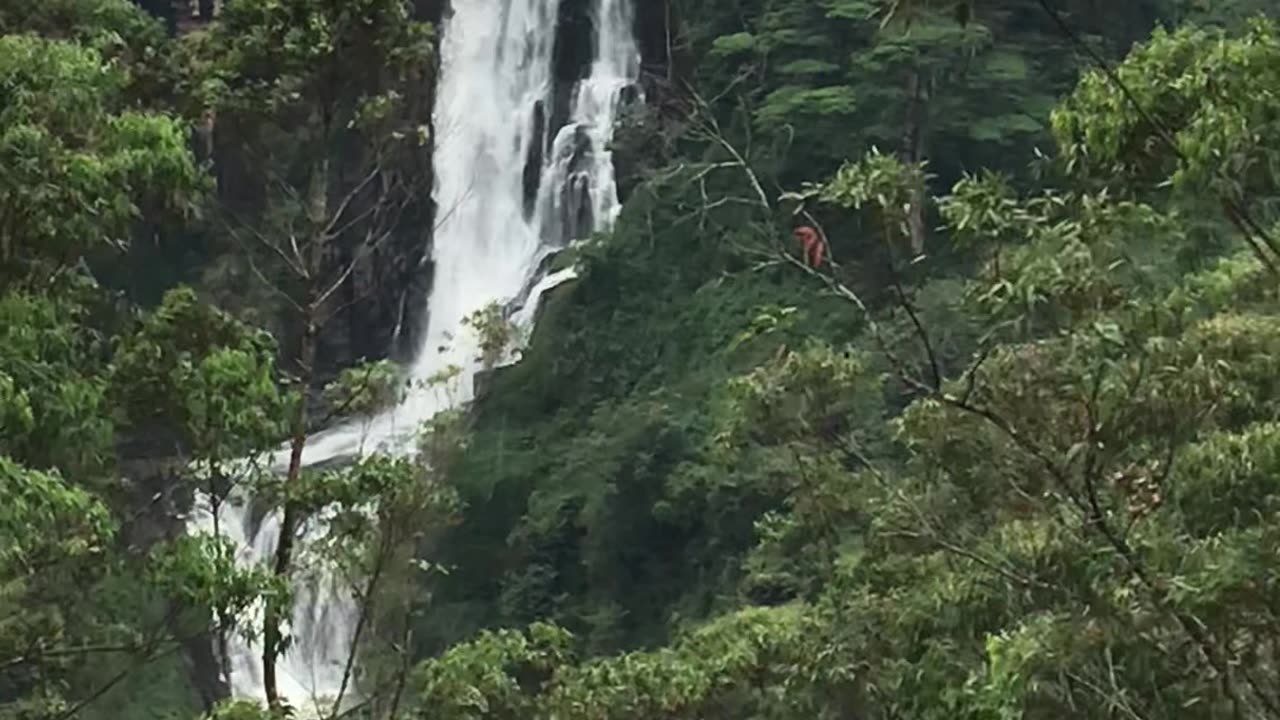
[(511, 190)]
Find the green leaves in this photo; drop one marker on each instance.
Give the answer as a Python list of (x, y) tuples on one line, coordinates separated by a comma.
[(728, 45), (54, 408), (273, 56), (498, 335), (1228, 480), (45, 521), (732, 667), (805, 396), (888, 189), (56, 541), (200, 573), (1200, 88), (118, 29), (241, 710), (191, 364), (985, 209), (498, 675), (74, 165), (365, 389), (878, 180), (791, 104)]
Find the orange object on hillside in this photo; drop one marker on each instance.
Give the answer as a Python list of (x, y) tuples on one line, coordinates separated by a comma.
[(815, 248)]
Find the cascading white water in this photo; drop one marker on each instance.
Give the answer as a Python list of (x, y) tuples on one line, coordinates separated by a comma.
[(493, 235)]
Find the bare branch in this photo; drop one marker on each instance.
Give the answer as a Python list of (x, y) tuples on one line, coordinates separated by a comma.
[(921, 333), (270, 285), (714, 132), (266, 242), (350, 197)]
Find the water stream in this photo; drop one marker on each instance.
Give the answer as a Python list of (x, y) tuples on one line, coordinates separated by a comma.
[(511, 190)]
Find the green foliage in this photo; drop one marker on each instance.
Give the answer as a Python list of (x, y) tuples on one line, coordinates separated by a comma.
[(365, 389), (881, 184), (574, 477), (70, 597), (824, 81), (497, 334), (493, 676), (330, 109), (270, 60), (113, 132), (205, 374), (510, 674), (1026, 476), (47, 523), (1204, 126), (75, 163), (55, 408), (1066, 258), (728, 668), (91, 592), (1029, 474), (877, 180), (800, 396), (117, 29), (200, 573), (240, 710), (295, 75)]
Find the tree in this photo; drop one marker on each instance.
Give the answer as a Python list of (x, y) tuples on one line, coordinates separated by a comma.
[(77, 584), (74, 589), (116, 29), (209, 378), (1179, 114), (284, 72), (917, 83), (77, 163), (729, 668), (55, 538), (1059, 440), (95, 586)]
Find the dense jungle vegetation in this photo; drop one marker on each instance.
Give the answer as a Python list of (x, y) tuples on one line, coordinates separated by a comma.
[(1011, 452)]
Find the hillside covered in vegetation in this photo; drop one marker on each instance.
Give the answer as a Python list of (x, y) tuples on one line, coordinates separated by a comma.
[(1009, 449)]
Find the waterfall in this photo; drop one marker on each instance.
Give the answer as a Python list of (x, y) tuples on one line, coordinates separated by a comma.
[(512, 188)]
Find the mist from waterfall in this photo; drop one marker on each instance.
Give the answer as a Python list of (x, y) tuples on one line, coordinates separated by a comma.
[(511, 189)]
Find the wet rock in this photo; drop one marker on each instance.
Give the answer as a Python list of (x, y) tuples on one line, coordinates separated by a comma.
[(571, 57), (534, 161)]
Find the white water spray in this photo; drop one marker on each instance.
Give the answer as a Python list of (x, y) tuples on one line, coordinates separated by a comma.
[(494, 233)]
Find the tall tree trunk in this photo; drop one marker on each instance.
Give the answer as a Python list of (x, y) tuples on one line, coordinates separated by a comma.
[(275, 610), (914, 152), (385, 547)]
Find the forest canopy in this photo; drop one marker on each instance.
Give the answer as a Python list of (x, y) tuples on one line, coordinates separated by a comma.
[(1009, 447)]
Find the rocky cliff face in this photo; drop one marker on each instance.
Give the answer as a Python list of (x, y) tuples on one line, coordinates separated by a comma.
[(656, 31), (383, 299)]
